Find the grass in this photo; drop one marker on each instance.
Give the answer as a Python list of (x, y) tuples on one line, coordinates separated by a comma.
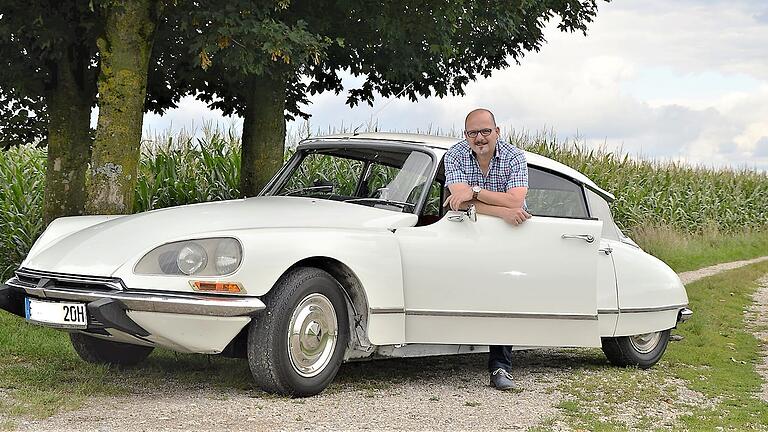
[(714, 364), (685, 251)]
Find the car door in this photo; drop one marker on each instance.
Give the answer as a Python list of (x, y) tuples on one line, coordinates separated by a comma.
[(488, 282)]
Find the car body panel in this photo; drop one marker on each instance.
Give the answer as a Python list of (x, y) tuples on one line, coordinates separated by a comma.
[(607, 289), (189, 333), (102, 248), (650, 293), (478, 282)]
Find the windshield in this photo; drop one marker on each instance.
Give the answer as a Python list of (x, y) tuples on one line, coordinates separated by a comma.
[(392, 180)]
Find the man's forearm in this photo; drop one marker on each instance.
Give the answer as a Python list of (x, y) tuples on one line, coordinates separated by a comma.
[(501, 199), (488, 209)]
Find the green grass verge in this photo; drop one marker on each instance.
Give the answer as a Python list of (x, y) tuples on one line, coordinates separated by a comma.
[(40, 374), (685, 252), (714, 365)]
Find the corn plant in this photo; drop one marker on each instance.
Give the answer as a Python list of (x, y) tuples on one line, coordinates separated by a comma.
[(22, 176)]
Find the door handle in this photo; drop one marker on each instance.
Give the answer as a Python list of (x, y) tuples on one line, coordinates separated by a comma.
[(606, 250), (586, 237)]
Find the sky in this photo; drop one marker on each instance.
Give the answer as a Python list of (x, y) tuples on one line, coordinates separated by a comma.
[(683, 80)]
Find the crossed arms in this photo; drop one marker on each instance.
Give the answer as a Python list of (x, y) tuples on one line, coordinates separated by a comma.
[(506, 205)]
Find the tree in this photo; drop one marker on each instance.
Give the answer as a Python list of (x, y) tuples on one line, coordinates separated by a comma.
[(47, 77), (124, 49), (261, 60)]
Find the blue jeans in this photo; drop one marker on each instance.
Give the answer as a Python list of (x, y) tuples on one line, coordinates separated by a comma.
[(499, 356)]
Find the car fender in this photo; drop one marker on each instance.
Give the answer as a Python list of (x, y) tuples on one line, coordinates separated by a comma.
[(373, 255), (650, 294)]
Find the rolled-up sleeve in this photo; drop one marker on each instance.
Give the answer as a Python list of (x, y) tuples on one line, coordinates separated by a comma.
[(518, 174), (454, 172)]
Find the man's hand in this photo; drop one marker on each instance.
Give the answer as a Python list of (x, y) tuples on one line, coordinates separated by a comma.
[(458, 197), (515, 216)]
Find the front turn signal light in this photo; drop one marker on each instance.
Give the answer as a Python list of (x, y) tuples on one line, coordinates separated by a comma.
[(217, 287)]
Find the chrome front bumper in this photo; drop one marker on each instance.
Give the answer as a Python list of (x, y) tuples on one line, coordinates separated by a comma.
[(76, 288)]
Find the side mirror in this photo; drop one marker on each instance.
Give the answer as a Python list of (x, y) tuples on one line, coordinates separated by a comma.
[(470, 213)]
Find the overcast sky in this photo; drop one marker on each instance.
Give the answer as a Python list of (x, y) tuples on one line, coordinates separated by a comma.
[(675, 80)]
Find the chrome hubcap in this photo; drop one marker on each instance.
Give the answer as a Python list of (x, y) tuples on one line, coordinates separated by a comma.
[(312, 334), (645, 343)]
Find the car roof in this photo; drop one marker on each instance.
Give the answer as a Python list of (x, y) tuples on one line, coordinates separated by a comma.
[(444, 143)]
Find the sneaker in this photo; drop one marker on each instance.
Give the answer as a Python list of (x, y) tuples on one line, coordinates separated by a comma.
[(501, 379)]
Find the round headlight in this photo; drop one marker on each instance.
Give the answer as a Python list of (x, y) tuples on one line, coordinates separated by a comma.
[(228, 256), (192, 257)]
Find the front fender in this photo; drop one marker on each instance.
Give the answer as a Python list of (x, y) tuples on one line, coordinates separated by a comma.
[(373, 255)]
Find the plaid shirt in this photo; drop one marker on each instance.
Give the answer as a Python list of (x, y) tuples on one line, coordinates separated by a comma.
[(508, 168)]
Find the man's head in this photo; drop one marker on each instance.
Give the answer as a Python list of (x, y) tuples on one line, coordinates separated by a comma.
[(481, 132)]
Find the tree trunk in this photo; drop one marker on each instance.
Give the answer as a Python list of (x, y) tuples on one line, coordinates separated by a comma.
[(69, 99), (124, 53), (263, 133)]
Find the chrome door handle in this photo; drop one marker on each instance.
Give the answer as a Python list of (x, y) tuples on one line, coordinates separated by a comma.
[(586, 237), (606, 250)]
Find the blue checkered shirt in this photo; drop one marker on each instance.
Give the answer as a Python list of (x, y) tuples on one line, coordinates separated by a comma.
[(508, 168)]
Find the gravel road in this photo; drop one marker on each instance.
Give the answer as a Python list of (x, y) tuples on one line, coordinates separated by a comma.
[(437, 394)]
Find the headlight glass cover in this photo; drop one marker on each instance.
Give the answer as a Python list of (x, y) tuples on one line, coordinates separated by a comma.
[(201, 257)]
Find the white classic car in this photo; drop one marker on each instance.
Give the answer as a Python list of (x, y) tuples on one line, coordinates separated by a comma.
[(349, 254)]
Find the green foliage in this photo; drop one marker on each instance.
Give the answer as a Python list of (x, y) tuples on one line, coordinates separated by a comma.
[(22, 174), (182, 170)]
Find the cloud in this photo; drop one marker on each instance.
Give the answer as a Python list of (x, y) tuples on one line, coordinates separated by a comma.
[(686, 81), (761, 148)]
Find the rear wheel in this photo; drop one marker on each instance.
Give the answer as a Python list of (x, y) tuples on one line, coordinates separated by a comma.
[(643, 350), (101, 351), (296, 345)]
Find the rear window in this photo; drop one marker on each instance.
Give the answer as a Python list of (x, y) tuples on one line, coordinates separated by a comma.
[(552, 195)]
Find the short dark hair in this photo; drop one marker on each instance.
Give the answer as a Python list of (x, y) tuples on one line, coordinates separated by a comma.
[(476, 110)]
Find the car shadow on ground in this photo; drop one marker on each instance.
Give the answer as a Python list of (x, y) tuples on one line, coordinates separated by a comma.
[(397, 371), (193, 370)]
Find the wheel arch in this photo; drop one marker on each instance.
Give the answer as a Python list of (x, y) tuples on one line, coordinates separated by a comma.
[(353, 291)]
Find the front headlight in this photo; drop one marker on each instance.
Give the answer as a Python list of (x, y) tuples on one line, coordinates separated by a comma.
[(192, 258)]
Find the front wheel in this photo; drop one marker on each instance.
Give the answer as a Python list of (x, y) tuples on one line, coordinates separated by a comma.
[(101, 351), (642, 350), (296, 345)]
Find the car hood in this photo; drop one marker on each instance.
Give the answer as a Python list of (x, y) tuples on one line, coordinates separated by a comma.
[(100, 249)]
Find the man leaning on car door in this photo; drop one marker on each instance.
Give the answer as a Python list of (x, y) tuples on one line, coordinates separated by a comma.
[(484, 171)]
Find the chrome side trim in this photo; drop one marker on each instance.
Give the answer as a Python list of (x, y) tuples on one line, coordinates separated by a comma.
[(640, 310), (386, 310), (652, 309), (154, 301), (607, 311), (473, 314)]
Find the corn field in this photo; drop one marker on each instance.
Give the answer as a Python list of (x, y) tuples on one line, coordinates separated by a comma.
[(179, 169)]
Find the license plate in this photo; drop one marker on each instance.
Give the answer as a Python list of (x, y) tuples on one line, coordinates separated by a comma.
[(56, 314)]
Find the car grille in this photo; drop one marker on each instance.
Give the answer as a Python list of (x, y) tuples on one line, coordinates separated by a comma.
[(33, 278)]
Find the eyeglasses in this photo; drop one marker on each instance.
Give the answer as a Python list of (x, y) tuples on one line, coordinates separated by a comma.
[(473, 133)]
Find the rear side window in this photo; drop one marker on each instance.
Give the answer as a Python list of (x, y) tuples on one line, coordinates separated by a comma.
[(552, 195)]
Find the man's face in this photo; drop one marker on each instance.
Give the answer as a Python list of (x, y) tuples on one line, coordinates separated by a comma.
[(481, 123)]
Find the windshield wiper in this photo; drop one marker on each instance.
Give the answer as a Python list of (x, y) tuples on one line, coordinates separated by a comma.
[(400, 204), (321, 188)]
